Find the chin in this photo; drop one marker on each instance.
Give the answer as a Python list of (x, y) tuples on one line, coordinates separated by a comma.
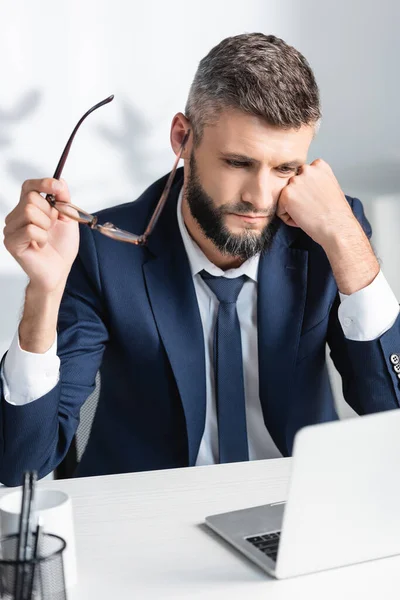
[(244, 229)]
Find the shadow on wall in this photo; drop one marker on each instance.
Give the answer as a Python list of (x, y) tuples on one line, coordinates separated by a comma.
[(20, 111), (142, 164), (11, 302), (17, 169)]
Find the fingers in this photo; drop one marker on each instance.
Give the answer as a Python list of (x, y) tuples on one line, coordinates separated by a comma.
[(46, 186), (323, 166), (283, 201), (31, 197), (33, 188), (18, 241), (287, 219), (317, 171), (283, 214), (319, 162), (34, 214), (319, 166)]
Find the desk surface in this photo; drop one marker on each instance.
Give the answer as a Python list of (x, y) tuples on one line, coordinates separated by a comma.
[(142, 536)]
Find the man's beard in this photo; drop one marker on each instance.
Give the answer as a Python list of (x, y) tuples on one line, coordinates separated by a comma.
[(210, 218)]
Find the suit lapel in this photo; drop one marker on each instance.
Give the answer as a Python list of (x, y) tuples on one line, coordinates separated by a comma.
[(174, 303), (282, 285)]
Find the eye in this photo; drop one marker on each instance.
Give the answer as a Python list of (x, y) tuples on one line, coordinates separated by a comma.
[(237, 164), (287, 170)]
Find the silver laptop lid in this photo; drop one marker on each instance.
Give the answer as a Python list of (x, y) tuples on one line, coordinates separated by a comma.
[(344, 495)]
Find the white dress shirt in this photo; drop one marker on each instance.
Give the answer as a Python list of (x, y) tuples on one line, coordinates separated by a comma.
[(364, 315)]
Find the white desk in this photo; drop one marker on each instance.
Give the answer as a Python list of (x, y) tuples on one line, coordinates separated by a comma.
[(141, 536)]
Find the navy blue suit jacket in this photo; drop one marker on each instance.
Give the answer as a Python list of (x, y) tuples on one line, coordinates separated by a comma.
[(133, 313)]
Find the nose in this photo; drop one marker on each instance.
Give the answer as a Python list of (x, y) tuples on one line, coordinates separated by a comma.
[(260, 191)]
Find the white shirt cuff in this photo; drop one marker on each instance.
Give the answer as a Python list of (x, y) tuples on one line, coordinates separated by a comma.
[(28, 376), (370, 312)]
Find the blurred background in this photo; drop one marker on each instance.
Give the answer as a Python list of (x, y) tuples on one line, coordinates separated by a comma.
[(60, 58)]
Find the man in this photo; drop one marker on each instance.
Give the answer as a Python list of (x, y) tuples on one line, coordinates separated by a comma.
[(211, 339)]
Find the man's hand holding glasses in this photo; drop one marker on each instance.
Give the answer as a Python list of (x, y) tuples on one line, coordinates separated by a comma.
[(42, 234)]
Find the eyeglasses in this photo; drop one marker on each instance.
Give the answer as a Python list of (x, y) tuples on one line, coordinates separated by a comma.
[(108, 229)]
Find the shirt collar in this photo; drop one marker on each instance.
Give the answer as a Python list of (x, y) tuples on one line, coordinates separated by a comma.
[(198, 261)]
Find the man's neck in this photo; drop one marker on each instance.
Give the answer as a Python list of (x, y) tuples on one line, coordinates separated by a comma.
[(223, 261)]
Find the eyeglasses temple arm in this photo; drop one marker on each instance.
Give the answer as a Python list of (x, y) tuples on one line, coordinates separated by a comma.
[(166, 190), (64, 155)]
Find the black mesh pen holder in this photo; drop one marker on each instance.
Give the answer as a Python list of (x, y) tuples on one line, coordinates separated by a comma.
[(40, 578)]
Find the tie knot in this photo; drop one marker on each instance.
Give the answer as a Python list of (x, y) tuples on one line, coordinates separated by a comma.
[(226, 290)]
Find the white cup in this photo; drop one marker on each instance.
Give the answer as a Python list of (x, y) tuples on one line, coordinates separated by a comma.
[(55, 511)]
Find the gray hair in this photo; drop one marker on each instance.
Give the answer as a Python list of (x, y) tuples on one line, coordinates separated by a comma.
[(258, 74)]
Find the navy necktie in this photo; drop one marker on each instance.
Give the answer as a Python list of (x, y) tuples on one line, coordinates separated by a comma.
[(228, 368)]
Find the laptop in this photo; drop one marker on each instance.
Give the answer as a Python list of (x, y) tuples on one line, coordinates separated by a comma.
[(343, 503)]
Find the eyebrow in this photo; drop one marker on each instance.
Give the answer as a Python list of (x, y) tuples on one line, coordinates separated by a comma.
[(235, 156), (292, 164)]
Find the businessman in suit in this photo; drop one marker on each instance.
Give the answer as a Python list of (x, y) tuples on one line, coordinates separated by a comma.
[(210, 339)]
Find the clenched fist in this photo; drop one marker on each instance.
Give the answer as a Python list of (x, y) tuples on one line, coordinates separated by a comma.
[(314, 201)]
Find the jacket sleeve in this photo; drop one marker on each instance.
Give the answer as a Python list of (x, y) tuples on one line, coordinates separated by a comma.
[(369, 378), (38, 435)]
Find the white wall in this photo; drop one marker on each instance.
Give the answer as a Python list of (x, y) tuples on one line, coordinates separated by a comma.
[(59, 58)]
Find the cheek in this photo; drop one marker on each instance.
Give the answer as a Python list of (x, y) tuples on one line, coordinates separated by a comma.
[(223, 187)]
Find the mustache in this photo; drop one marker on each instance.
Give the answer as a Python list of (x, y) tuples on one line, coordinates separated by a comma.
[(246, 208)]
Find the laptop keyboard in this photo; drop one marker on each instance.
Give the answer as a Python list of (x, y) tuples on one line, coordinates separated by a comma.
[(266, 542)]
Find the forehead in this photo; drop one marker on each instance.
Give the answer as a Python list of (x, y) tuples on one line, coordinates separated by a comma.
[(239, 133)]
